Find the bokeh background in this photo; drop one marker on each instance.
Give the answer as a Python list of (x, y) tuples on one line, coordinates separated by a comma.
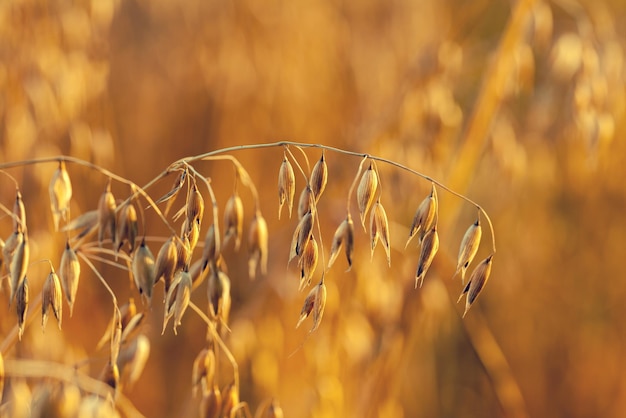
[(518, 105)]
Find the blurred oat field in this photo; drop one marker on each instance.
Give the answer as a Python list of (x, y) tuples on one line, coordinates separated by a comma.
[(518, 105)]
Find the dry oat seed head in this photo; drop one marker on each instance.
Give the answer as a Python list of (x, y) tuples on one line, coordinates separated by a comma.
[(211, 405), (52, 298), (258, 244), (305, 230), (469, 248), (8, 251), (192, 232), (127, 227), (19, 264), (106, 214), (366, 192), (22, 306), (183, 295), (203, 372), (305, 204), (166, 262), (219, 297), (195, 206), (233, 220), (477, 281), (379, 228), (286, 186), (209, 254), (183, 251), (308, 263), (86, 222), (170, 196), (19, 213), (143, 270), (319, 177), (69, 272), (430, 246), (344, 237), (60, 191), (314, 305), (230, 399), (425, 216), (132, 360)]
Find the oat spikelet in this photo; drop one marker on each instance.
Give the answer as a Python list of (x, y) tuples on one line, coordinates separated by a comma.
[(257, 243), (425, 216), (301, 235), (127, 227), (286, 186), (166, 262), (203, 372), (70, 275), (379, 229), (211, 405), (305, 203), (60, 191), (132, 360), (86, 222), (230, 400), (52, 298), (468, 249), (344, 237), (195, 206), (209, 253), (366, 192), (192, 232), (476, 283), (183, 295), (319, 178), (269, 409), (8, 251), (219, 297), (308, 263), (19, 213), (106, 214), (233, 220), (19, 263), (170, 196), (22, 306), (314, 305), (183, 251), (143, 270), (430, 246)]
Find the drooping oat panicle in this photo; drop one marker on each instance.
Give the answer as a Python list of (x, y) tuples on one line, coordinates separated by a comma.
[(166, 262), (170, 196), (233, 220), (344, 238), (132, 360), (60, 191), (425, 216), (195, 206), (211, 405), (257, 245), (286, 186), (314, 305), (183, 295), (143, 270), (430, 246), (468, 249), (366, 192), (219, 297), (106, 214), (51, 298), (305, 203), (69, 272), (209, 253), (203, 372), (302, 234), (22, 306), (19, 213), (19, 263), (308, 263), (127, 227), (379, 228), (319, 177), (476, 282)]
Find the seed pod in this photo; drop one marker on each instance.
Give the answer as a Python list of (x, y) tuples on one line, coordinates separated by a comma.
[(425, 216), (60, 191), (476, 282), (379, 228), (143, 270), (219, 298), (132, 360), (430, 246), (22, 306), (127, 227), (366, 192), (344, 237), (195, 206), (257, 243), (166, 262), (305, 203), (314, 303), (70, 275), (233, 220), (19, 213), (19, 264), (301, 235), (211, 404), (52, 298), (203, 372), (286, 186), (308, 263), (469, 248), (319, 178), (183, 295), (106, 214)]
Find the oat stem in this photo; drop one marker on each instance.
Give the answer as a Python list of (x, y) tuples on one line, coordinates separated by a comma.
[(99, 276)]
